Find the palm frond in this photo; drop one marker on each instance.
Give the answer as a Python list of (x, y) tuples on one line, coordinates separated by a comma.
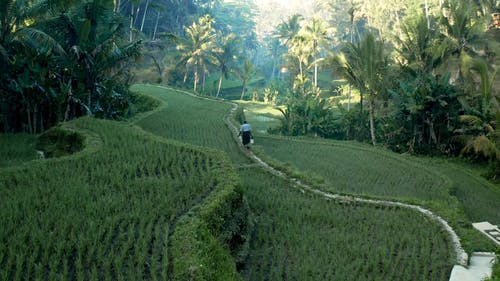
[(470, 120), (480, 146), (34, 38)]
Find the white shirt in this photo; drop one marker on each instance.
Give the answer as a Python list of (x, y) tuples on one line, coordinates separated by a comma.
[(245, 128)]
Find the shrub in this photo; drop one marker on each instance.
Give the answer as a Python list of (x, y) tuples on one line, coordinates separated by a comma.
[(58, 141)]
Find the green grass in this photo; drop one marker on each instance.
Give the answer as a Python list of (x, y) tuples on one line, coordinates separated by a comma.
[(102, 214), (299, 226), (261, 116), (479, 198), (305, 237), (186, 119), (136, 206), (361, 169), (356, 169), (16, 149)]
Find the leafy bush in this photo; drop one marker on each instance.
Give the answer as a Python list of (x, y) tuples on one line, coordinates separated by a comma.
[(142, 103), (58, 141)]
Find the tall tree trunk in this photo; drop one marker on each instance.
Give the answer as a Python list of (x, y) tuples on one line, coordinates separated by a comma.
[(243, 89), (30, 127), (156, 26), (220, 84), (427, 14), (315, 65), (349, 90), (89, 103), (137, 11), (372, 119), (185, 76), (131, 27), (195, 78), (203, 82), (68, 105), (116, 6), (144, 15), (361, 102)]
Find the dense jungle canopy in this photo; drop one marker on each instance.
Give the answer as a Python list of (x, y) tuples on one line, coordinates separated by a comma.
[(416, 76)]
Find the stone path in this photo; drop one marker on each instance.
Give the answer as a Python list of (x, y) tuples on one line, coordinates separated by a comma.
[(480, 267)]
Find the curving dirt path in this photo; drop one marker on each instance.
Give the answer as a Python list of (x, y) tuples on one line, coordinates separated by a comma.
[(461, 255)]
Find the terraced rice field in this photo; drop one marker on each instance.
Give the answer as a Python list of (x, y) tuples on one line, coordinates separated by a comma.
[(141, 204), (305, 237), (103, 214)]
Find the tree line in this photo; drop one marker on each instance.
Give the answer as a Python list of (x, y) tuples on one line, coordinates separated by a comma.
[(427, 87), (64, 59)]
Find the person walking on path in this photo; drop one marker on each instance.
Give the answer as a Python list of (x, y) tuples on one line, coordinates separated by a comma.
[(246, 134)]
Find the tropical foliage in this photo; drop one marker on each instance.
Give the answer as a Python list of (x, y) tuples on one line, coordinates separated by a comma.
[(429, 86), (62, 61)]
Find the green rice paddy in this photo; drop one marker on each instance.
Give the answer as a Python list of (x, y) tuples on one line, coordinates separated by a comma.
[(158, 199)]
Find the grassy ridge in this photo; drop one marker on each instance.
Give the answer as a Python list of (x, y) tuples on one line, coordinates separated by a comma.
[(139, 207), (299, 237), (16, 149), (104, 214), (357, 170), (305, 237), (479, 198), (190, 120), (370, 171)]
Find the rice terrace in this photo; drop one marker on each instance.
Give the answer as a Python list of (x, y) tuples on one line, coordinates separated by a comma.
[(249, 140)]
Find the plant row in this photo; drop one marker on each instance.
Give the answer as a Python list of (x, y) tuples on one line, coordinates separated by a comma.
[(305, 237), (108, 213)]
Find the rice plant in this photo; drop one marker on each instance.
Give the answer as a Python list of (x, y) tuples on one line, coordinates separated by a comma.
[(16, 149), (103, 214), (355, 169), (305, 237), (191, 120)]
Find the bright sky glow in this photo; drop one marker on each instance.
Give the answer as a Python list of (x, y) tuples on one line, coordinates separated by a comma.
[(273, 12)]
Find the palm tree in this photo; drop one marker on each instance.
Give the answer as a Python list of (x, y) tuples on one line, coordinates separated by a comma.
[(23, 44), (97, 56), (226, 56), (464, 37), (198, 47), (288, 29), (286, 33), (301, 50), (317, 32), (364, 65), (245, 73), (418, 46)]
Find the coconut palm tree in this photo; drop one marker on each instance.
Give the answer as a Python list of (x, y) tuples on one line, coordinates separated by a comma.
[(464, 37), (316, 31), (365, 66), (226, 56), (197, 49), (286, 30), (245, 73)]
